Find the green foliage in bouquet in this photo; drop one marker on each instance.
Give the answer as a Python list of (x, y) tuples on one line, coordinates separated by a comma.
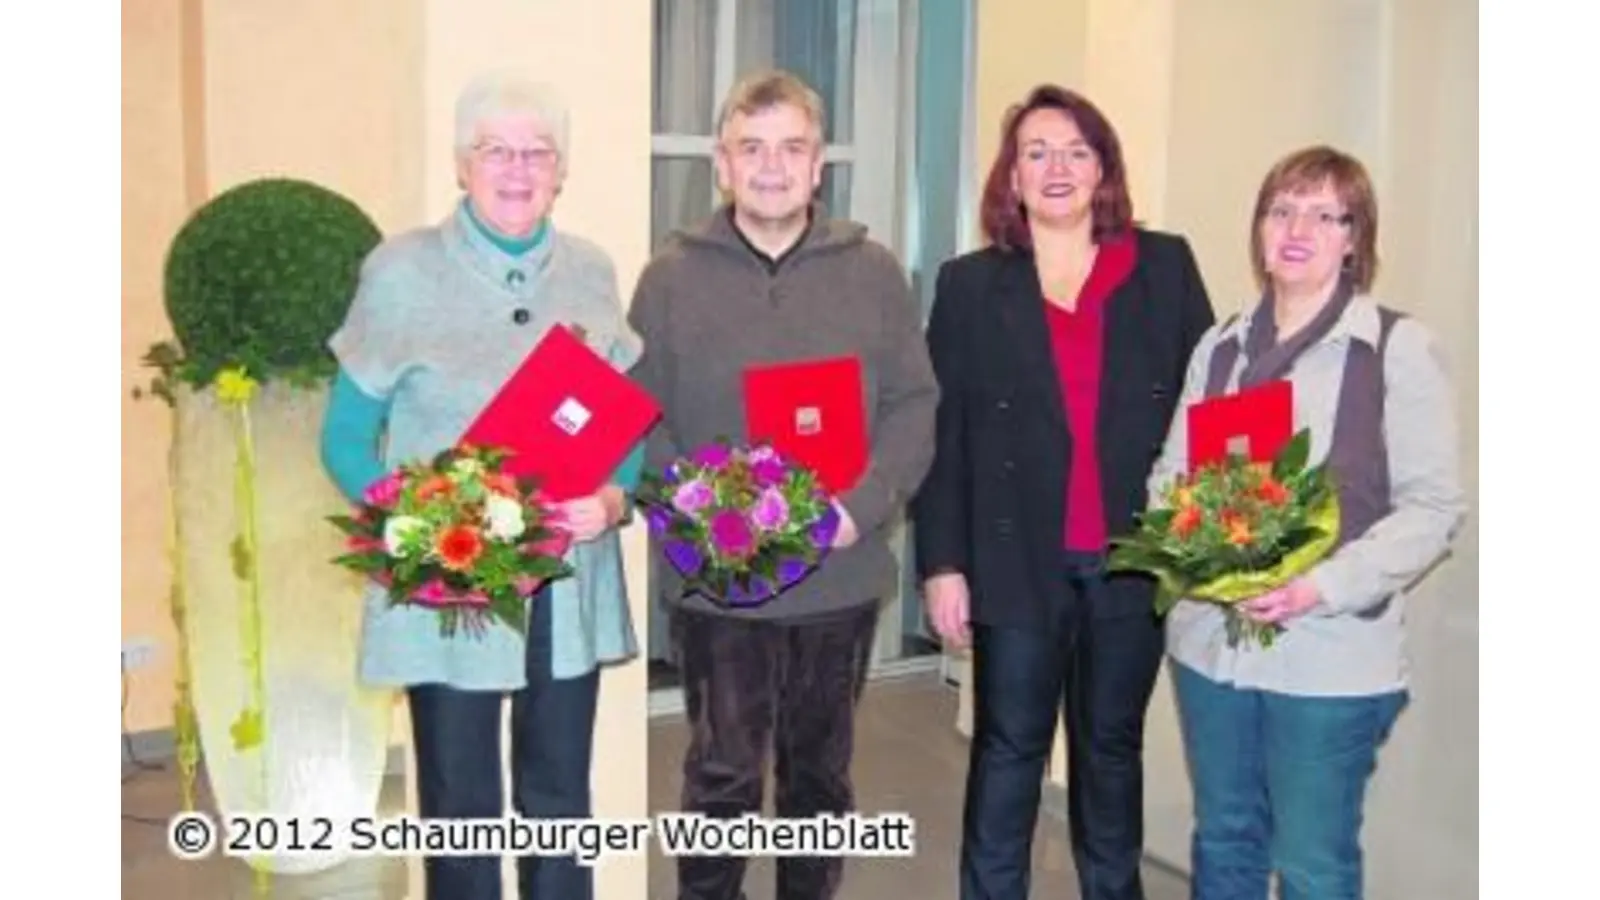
[(257, 280), (1235, 530)]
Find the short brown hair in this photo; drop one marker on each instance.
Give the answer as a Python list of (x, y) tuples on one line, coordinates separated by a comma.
[(1004, 221), (1307, 170), (764, 90)]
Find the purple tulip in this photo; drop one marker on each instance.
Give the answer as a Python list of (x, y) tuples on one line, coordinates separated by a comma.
[(757, 592), (712, 456), (731, 535), (790, 571), (659, 520), (771, 511), (684, 557), (823, 533)]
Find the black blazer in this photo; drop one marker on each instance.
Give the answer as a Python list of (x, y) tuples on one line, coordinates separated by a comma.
[(993, 505)]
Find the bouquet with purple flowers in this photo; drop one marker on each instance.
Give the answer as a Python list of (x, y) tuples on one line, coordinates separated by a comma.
[(740, 524)]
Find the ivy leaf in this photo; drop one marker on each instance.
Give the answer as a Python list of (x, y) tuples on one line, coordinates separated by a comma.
[(248, 730), (243, 562)]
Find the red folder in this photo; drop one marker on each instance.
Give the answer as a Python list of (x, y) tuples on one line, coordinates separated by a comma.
[(568, 417), (814, 413), (1256, 422)]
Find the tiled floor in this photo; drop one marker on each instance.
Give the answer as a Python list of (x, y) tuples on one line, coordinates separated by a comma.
[(909, 759)]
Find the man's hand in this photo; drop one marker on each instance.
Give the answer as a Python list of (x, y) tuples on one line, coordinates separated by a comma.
[(1283, 604), (847, 534), (950, 608), (586, 518)]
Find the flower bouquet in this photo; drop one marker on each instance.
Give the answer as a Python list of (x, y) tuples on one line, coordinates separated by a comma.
[(1234, 530), (740, 524), (459, 536)]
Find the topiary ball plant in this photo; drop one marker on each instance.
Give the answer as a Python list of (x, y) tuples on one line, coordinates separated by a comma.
[(258, 279)]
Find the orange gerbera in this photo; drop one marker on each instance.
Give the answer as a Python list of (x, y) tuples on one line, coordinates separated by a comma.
[(501, 483), (458, 547), (438, 484), (1272, 492), (1237, 528), (1186, 520)]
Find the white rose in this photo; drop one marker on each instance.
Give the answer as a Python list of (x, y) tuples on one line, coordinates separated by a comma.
[(397, 530), (464, 469), (505, 518)]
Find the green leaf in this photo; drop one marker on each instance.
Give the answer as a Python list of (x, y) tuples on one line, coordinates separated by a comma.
[(365, 563), (1166, 599), (349, 525), (243, 563), (1157, 520), (1140, 556), (1294, 455)]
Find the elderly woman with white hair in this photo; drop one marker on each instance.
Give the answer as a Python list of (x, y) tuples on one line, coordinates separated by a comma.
[(442, 317)]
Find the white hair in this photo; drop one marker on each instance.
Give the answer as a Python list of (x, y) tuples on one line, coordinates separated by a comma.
[(499, 94)]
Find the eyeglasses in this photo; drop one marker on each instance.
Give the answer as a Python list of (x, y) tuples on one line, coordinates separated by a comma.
[(504, 156), (1282, 215)]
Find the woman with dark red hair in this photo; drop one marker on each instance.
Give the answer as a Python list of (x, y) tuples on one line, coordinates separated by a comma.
[(1060, 351)]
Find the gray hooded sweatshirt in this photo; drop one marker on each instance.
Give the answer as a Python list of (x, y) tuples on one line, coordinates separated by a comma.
[(709, 305)]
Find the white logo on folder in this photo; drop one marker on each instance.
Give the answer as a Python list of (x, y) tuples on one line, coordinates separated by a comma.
[(808, 420), (571, 416)]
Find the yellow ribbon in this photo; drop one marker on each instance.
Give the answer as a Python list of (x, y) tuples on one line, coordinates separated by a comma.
[(235, 389)]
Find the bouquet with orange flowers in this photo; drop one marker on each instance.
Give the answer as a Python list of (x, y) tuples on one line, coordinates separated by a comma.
[(1234, 530), (458, 535)]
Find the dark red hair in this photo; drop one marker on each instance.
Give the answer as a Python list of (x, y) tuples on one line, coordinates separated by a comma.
[(1005, 222)]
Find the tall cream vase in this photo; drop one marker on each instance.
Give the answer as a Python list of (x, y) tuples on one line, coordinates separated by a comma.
[(269, 626)]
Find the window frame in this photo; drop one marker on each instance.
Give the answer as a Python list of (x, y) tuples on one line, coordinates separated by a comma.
[(877, 105)]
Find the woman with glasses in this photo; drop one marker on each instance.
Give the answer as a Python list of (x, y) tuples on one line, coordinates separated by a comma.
[(442, 318), (1282, 740)]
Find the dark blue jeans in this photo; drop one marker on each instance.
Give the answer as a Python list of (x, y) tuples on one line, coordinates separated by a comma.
[(457, 738), (1279, 785), (1097, 665)]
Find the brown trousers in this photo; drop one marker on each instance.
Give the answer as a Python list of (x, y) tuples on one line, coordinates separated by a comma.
[(796, 684)]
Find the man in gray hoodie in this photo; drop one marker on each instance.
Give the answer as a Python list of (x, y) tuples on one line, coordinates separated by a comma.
[(770, 279)]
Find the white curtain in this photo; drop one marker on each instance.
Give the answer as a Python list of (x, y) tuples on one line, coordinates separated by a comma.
[(684, 94)]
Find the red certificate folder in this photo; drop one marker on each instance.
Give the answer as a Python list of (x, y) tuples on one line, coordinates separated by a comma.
[(814, 413), (569, 417), (1256, 422)]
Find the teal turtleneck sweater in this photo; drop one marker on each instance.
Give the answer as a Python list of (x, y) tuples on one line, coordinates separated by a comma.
[(509, 245), (354, 422)]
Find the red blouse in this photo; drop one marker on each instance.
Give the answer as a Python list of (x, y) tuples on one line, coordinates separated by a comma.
[(1077, 340)]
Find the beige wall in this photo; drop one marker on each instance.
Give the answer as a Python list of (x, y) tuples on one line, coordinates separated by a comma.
[(155, 199), (357, 96), (1206, 97)]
